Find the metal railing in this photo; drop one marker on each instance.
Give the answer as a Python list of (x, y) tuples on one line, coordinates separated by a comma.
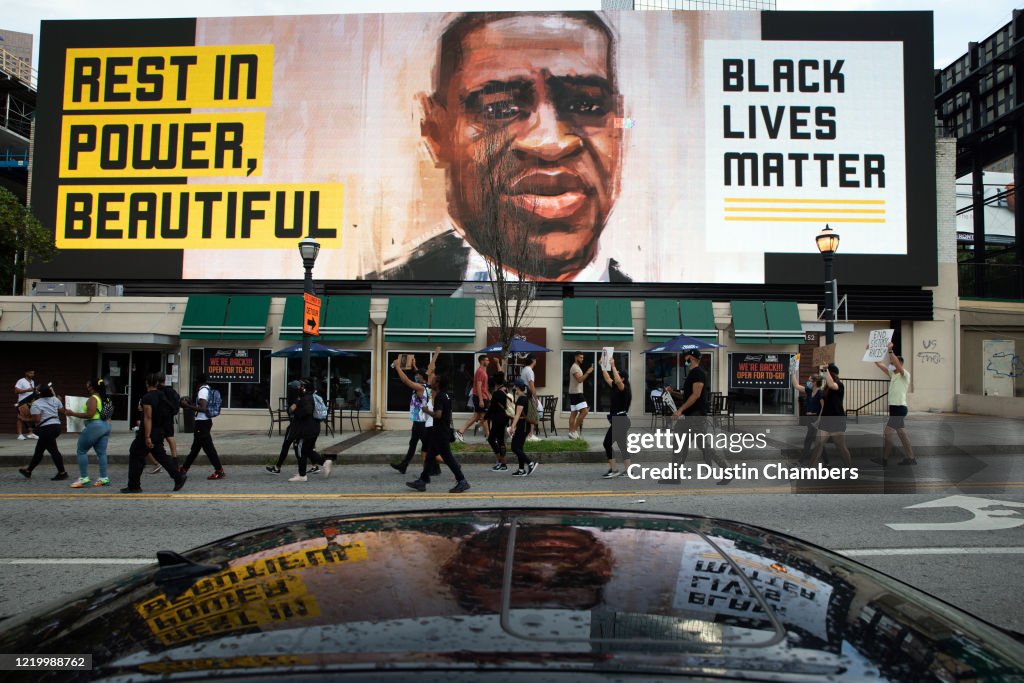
[(991, 280), (17, 67), (866, 397)]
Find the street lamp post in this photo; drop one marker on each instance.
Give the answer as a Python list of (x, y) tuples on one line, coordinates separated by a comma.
[(308, 249), (828, 244)]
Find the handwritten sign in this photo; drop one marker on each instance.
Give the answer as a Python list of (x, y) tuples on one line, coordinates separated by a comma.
[(75, 404), (823, 355), (878, 345)]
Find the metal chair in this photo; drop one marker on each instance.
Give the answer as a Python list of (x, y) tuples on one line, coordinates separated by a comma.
[(277, 417), (329, 422), (550, 404), (657, 409)]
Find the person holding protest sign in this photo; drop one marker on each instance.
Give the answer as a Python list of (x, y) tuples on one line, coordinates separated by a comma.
[(899, 385), (833, 415)]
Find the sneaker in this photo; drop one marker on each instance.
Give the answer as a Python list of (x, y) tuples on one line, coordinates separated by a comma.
[(400, 468), (299, 477), (880, 461), (314, 469), (534, 437), (102, 481), (460, 487), (530, 467), (219, 474), (25, 472), (419, 485), (179, 481), (460, 436), (328, 465), (60, 476), (157, 470), (32, 436), (907, 461), (21, 437), (273, 469), (128, 489), (610, 474), (520, 473), (499, 467), (81, 483), (573, 435)]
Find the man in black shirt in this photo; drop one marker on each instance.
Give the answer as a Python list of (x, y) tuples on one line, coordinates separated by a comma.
[(150, 437), (695, 410), (440, 439)]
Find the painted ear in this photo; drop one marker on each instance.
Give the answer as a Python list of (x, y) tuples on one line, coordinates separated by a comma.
[(433, 127)]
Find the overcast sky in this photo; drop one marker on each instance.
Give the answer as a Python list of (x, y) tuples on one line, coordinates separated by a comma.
[(957, 22)]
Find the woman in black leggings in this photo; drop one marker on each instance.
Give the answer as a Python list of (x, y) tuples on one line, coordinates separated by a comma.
[(46, 412)]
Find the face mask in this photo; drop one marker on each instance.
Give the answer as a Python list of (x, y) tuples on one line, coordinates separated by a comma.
[(686, 364)]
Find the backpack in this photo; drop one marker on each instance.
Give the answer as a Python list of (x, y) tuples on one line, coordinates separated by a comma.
[(106, 409), (319, 408), (510, 406), (170, 402), (214, 401), (532, 414)]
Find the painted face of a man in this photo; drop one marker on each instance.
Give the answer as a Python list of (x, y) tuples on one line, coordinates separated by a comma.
[(537, 92)]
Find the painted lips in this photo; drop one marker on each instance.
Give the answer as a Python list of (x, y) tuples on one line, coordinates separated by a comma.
[(549, 195)]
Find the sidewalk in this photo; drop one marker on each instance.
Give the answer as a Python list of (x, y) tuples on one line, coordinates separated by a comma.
[(931, 434)]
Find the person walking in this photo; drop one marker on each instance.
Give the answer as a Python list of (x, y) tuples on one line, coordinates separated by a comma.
[(306, 427), (694, 411), (25, 390), (529, 375), (520, 427), (899, 386), (497, 418), (202, 438), (46, 411), (170, 423), (441, 438), (812, 394), (618, 419), (95, 434), (833, 416), (479, 399), (419, 398), (150, 438), (577, 401)]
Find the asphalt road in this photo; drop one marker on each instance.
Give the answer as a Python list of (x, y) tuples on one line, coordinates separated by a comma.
[(60, 541)]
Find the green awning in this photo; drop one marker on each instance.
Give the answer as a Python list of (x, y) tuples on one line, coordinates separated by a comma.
[(225, 317), (750, 323), (698, 318), (408, 319), (453, 321), (662, 318), (784, 322), (342, 318), (597, 319), (579, 319)]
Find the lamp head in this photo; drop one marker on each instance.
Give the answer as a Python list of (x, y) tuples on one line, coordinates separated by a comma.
[(827, 241), (309, 248)]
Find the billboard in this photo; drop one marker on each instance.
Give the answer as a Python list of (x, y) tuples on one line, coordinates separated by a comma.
[(661, 147)]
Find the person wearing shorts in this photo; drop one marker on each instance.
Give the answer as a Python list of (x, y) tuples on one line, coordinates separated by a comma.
[(25, 390), (899, 386), (478, 400), (833, 416), (577, 401)]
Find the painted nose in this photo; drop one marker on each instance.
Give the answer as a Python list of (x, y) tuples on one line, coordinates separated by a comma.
[(547, 137)]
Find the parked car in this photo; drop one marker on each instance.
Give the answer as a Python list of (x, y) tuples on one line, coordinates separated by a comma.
[(513, 594)]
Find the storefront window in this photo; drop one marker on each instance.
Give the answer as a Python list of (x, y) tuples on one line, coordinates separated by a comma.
[(663, 369), (759, 383), (597, 393), (457, 367), (348, 377), (234, 394)]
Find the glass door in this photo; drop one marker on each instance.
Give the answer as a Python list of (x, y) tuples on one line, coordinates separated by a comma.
[(115, 371)]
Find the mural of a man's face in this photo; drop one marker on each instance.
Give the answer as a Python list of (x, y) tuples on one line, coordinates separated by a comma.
[(542, 85)]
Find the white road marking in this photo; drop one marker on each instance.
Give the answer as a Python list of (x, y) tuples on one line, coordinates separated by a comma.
[(983, 519)]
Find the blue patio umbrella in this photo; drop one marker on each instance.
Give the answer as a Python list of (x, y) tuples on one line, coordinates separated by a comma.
[(315, 351), (516, 346), (682, 343)]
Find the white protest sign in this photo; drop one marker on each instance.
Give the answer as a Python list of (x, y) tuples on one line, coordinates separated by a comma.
[(75, 404), (606, 357), (878, 345)]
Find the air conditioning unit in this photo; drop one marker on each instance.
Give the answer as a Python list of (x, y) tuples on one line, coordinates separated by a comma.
[(50, 289)]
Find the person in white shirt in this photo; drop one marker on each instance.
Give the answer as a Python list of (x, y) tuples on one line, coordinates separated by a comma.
[(25, 390), (899, 385), (529, 377), (202, 439)]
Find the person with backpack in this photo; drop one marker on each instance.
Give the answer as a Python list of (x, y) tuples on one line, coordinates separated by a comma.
[(499, 412), (441, 438), (95, 434), (207, 406), (519, 427), (174, 403), (694, 411), (306, 427), (150, 437)]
